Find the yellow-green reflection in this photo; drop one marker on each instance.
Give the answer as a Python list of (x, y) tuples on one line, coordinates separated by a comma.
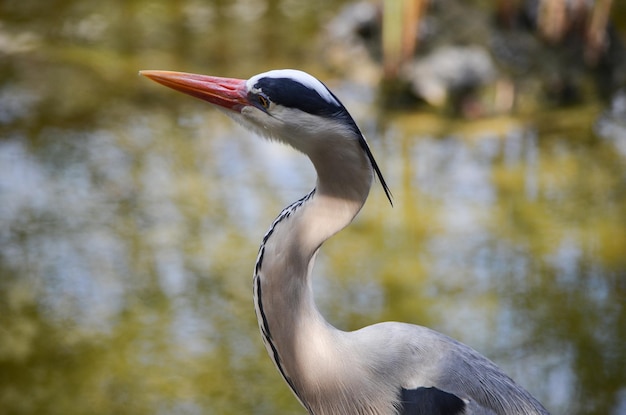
[(130, 219)]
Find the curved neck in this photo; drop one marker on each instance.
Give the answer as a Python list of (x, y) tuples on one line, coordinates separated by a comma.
[(295, 333)]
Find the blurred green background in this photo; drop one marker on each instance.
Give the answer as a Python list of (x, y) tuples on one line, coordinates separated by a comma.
[(130, 215)]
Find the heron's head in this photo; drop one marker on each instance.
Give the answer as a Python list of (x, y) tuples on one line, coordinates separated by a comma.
[(287, 105)]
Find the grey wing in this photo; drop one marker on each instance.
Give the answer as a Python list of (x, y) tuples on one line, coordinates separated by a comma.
[(444, 364)]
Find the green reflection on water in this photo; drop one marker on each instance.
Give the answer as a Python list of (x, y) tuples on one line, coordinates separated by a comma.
[(130, 219)]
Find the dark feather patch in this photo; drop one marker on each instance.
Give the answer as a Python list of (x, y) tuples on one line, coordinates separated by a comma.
[(430, 401), (291, 93)]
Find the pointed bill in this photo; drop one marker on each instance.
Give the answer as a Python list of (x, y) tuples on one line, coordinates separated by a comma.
[(229, 93)]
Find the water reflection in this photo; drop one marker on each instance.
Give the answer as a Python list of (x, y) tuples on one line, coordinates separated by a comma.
[(130, 219)]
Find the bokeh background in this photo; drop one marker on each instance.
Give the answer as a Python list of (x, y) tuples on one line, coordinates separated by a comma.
[(130, 215)]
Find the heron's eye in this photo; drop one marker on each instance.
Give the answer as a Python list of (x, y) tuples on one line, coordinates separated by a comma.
[(264, 101)]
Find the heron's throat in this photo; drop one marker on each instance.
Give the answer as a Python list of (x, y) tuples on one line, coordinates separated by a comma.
[(283, 296), (287, 255)]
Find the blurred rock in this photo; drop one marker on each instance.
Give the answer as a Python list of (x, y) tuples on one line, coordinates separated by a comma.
[(450, 71), (484, 59)]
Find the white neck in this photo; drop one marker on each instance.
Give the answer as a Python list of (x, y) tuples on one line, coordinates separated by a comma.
[(299, 340)]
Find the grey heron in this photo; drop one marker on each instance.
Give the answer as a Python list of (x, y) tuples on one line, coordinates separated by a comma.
[(383, 369)]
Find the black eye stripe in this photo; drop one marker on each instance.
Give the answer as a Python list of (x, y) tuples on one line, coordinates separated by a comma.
[(291, 93)]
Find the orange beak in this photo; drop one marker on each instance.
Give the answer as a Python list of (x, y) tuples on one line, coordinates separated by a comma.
[(229, 93)]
